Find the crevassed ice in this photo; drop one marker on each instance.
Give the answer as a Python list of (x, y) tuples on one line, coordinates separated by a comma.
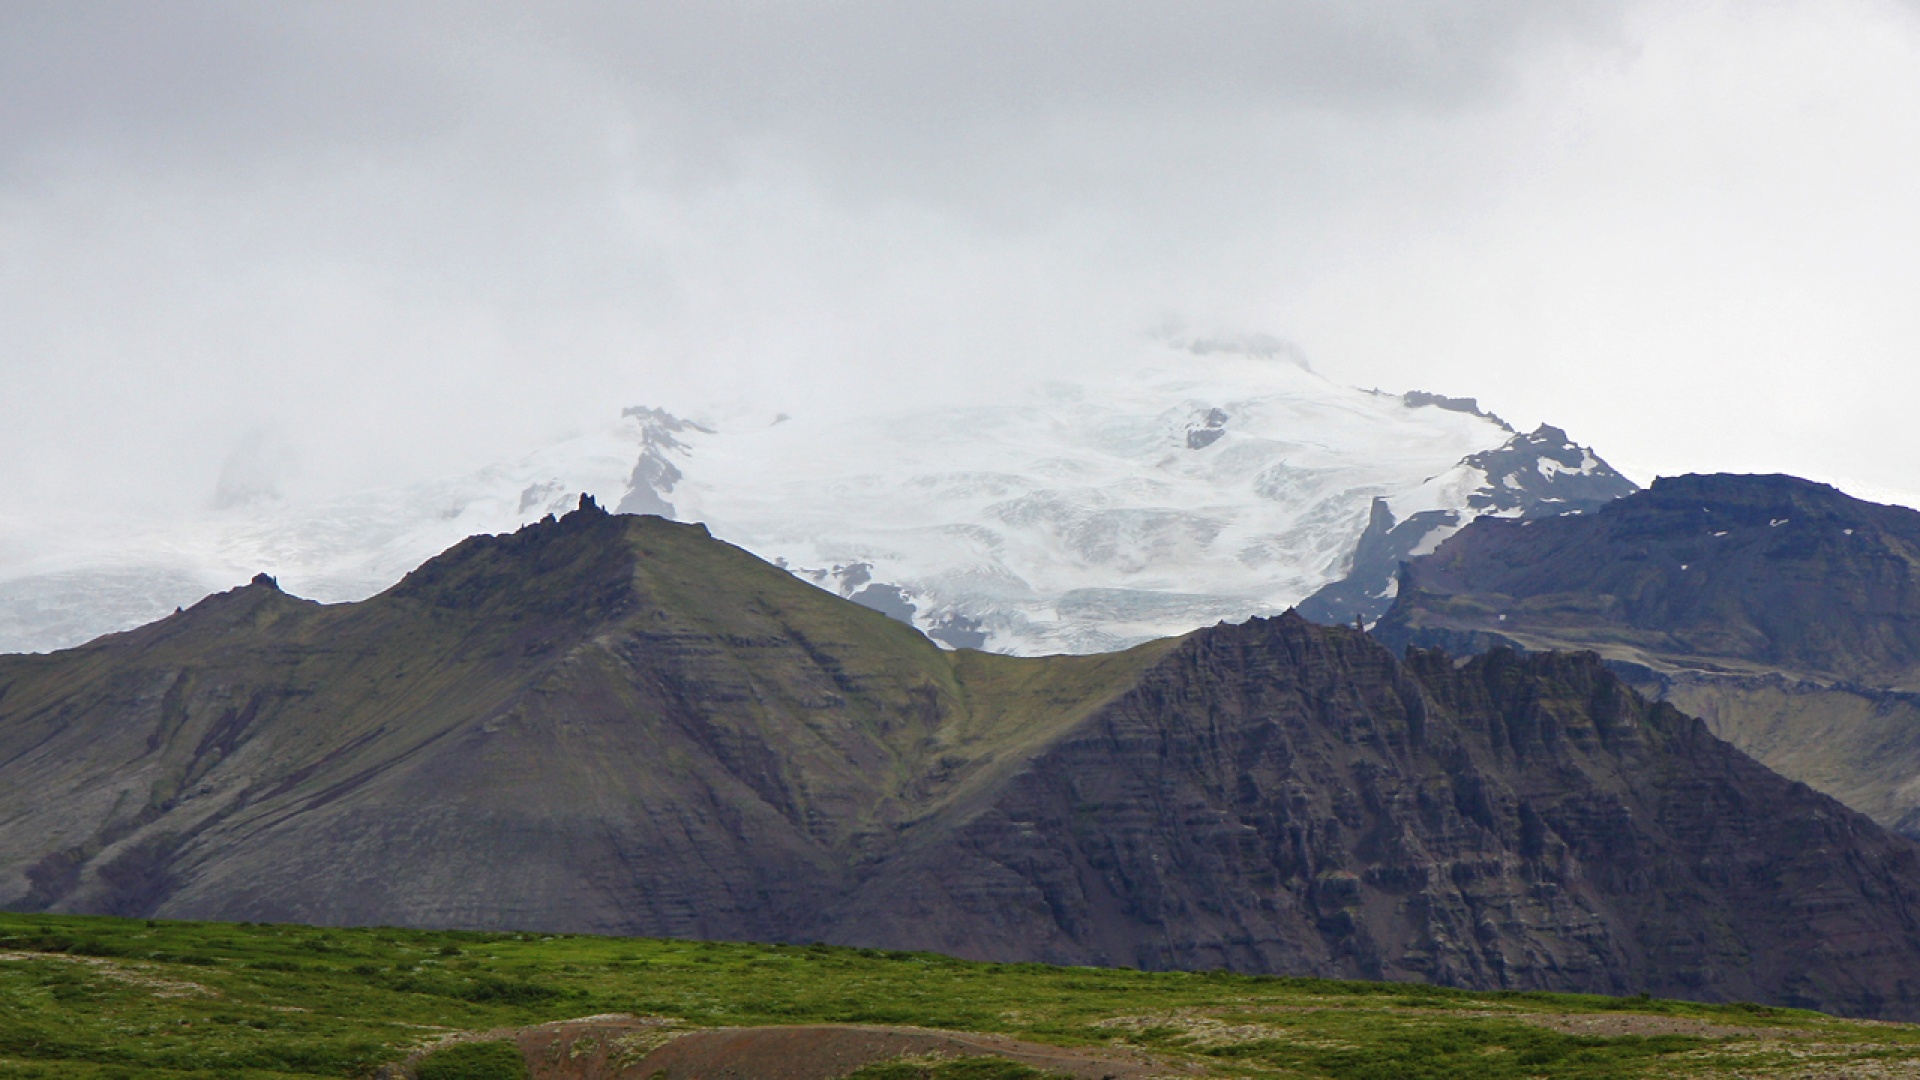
[(1073, 517)]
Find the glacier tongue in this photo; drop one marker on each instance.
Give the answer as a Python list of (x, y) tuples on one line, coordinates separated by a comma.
[(1072, 517)]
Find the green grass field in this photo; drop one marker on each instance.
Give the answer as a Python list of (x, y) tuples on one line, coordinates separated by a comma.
[(85, 997)]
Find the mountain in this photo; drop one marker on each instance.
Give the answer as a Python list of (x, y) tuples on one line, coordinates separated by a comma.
[(1205, 484), (618, 724), (1783, 611), (1536, 475), (524, 731)]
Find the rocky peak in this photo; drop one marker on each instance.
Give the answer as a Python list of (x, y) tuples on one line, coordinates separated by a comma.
[(577, 568), (1421, 399), (654, 473), (1538, 474), (1543, 473)]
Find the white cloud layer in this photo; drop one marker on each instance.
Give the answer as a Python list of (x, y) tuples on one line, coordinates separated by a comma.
[(253, 251)]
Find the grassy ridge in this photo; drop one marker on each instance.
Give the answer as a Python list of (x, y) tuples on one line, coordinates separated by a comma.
[(99, 997), (556, 677)]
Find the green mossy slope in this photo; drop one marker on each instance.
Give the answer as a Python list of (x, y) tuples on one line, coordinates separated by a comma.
[(84, 997), (615, 718)]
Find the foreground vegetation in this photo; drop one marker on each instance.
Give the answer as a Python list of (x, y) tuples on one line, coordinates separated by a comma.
[(85, 997)]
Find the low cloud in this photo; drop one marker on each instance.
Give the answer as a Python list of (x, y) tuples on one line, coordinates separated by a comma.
[(255, 472), (413, 239)]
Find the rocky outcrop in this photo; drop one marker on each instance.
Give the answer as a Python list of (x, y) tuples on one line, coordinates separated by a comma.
[(1538, 474), (654, 473), (619, 725)]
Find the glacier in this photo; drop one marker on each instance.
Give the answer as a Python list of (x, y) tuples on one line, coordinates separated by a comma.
[(1197, 486)]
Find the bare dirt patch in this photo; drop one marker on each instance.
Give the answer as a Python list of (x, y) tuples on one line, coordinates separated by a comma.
[(119, 972), (630, 1048)]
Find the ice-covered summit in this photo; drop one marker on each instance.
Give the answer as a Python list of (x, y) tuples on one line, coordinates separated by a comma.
[(1072, 517), (1083, 517)]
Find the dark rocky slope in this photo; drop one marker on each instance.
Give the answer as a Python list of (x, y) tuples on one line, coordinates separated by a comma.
[(1784, 612), (617, 724), (1743, 573), (1283, 797)]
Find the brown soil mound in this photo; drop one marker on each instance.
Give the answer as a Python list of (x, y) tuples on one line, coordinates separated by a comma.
[(630, 1048)]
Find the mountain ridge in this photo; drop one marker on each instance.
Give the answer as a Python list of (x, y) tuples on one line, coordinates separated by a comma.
[(1784, 611), (618, 724)]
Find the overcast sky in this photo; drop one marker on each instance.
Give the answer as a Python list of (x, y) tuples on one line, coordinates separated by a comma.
[(338, 243)]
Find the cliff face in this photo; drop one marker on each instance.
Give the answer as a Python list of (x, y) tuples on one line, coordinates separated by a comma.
[(1784, 612), (616, 724)]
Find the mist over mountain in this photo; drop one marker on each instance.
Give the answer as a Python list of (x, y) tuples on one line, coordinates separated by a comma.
[(818, 471), (1221, 479)]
